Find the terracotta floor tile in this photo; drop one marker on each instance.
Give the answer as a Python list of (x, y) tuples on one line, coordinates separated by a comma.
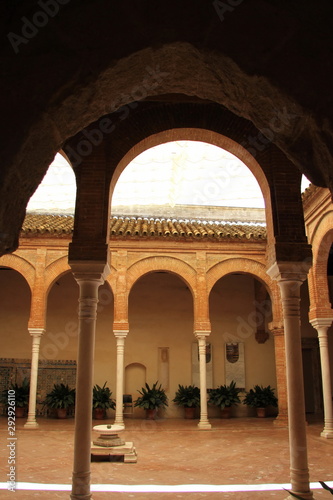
[(170, 452)]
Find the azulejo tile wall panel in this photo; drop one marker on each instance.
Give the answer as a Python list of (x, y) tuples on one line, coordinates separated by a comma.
[(50, 372)]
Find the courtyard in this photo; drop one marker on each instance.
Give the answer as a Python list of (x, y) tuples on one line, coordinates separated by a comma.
[(220, 463)]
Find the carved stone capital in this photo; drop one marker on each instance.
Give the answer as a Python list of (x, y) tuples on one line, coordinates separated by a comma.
[(289, 271)]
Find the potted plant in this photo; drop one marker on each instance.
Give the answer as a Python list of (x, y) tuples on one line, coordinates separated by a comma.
[(102, 401), (61, 398), (21, 397), (188, 396), (151, 399), (260, 398), (225, 396)]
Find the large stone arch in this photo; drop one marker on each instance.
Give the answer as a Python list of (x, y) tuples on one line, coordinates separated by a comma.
[(252, 267), (21, 265)]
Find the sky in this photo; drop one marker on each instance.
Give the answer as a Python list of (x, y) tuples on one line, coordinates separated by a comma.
[(174, 173)]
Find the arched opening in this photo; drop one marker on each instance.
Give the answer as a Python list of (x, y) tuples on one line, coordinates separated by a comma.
[(161, 319), (15, 298), (57, 191), (240, 312), (135, 378), (330, 274), (311, 358), (187, 179)]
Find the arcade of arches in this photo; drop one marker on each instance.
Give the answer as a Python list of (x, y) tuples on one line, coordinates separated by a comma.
[(170, 279), (103, 82)]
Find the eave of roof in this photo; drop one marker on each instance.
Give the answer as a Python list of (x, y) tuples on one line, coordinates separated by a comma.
[(129, 227)]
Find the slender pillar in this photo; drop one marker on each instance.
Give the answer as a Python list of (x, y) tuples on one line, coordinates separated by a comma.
[(290, 276), (203, 423), (89, 282), (322, 325), (120, 336), (36, 334)]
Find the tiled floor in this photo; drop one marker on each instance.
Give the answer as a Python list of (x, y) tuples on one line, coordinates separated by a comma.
[(238, 451)]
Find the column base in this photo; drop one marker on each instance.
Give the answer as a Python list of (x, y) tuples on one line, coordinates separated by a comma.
[(119, 422), (31, 425), (306, 496), (204, 426), (81, 486), (281, 421), (327, 433), (80, 497)]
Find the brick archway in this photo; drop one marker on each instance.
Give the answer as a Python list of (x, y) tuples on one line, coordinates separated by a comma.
[(207, 136), (150, 264), (22, 266), (54, 270), (111, 280), (200, 135), (255, 269), (321, 240), (169, 264)]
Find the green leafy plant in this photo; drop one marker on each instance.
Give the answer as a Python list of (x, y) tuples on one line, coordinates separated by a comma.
[(225, 396), (260, 397), (21, 394), (102, 397), (61, 396), (324, 485), (152, 397), (188, 396)]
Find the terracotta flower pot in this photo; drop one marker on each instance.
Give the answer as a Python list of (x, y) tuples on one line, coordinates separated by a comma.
[(99, 413), (261, 412), (151, 414), (226, 412), (62, 412), (19, 412), (189, 412)]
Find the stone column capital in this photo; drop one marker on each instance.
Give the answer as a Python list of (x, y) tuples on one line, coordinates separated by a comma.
[(36, 332), (321, 322), (120, 334), (90, 270), (202, 334), (289, 271)]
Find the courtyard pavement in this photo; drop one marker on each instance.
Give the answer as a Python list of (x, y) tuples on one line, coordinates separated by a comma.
[(234, 454)]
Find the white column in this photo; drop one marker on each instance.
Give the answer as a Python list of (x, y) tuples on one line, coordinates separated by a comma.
[(203, 423), (120, 336), (290, 276), (36, 334), (89, 282), (322, 325)]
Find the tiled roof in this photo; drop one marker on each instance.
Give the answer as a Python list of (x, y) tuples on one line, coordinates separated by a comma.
[(126, 226), (136, 227), (47, 224)]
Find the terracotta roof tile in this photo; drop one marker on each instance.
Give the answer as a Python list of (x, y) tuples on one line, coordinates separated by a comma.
[(47, 224), (184, 229), (131, 227)]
